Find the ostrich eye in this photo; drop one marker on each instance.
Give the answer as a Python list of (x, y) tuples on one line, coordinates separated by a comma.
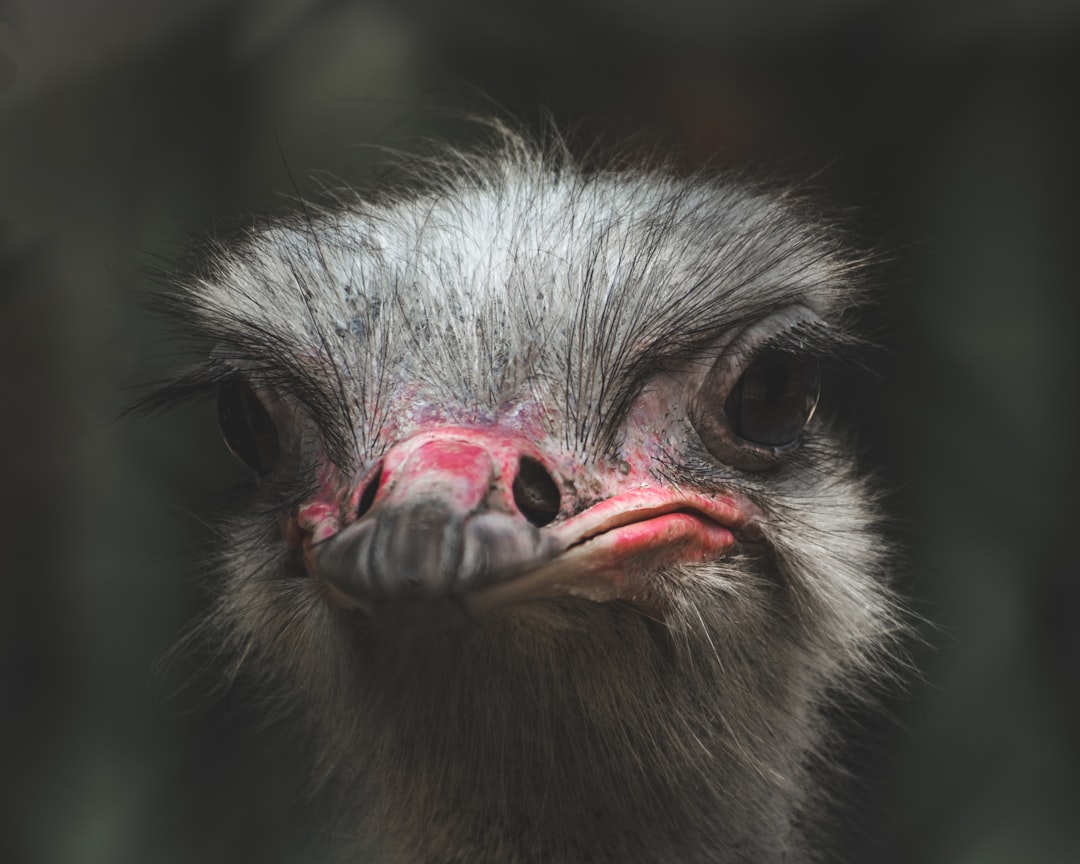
[(773, 399), (755, 402), (248, 429)]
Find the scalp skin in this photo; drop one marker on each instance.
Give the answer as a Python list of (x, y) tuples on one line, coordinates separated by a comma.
[(509, 290)]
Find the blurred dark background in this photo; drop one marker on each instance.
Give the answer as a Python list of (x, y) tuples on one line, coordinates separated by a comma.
[(946, 132)]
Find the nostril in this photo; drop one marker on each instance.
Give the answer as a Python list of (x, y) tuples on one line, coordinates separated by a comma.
[(368, 496), (535, 492)]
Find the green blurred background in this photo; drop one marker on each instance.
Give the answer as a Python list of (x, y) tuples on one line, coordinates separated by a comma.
[(947, 132)]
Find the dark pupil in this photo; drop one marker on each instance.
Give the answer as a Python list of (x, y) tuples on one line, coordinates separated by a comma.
[(774, 399), (248, 430)]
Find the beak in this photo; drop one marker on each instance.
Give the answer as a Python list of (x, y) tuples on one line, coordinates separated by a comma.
[(444, 520), (476, 519)]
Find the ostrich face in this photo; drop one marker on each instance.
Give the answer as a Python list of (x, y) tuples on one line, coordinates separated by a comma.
[(546, 537)]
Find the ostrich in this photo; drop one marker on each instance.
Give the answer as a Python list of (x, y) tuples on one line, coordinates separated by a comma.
[(545, 536)]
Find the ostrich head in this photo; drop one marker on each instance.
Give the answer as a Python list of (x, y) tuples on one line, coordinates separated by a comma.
[(545, 536)]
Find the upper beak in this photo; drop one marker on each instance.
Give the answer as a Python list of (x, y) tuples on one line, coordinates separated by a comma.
[(471, 516)]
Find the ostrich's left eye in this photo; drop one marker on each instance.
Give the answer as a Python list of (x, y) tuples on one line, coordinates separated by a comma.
[(247, 427), (754, 404), (773, 399)]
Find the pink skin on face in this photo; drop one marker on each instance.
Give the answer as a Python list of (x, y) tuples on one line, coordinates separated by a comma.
[(625, 525)]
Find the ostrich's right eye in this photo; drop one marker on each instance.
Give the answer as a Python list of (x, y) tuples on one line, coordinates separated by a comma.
[(248, 429)]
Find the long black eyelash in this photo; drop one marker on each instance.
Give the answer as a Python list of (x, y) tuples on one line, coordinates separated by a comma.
[(262, 355), (197, 383), (813, 338), (204, 380), (277, 494)]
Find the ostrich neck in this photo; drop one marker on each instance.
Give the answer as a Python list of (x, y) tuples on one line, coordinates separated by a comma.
[(570, 748)]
